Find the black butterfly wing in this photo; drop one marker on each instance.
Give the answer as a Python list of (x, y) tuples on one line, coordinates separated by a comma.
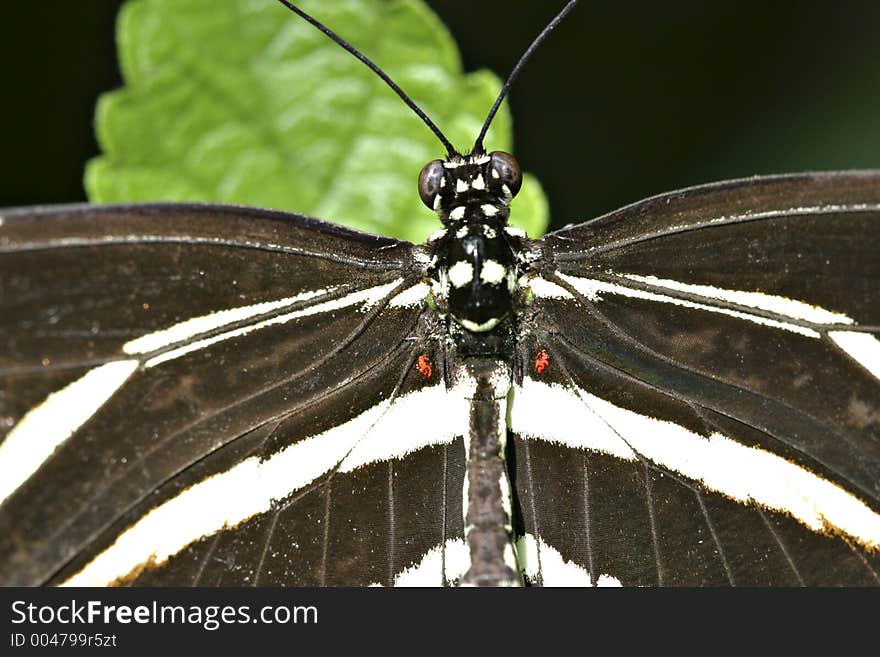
[(663, 430), (166, 371), (712, 360)]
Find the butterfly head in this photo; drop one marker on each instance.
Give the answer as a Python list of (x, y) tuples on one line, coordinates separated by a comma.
[(462, 186)]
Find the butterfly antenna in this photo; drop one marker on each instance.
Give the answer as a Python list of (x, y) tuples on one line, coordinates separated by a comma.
[(478, 145), (450, 149)]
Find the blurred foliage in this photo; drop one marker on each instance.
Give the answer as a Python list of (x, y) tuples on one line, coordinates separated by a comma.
[(624, 100)]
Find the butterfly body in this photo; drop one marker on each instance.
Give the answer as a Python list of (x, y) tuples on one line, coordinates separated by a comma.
[(682, 392), (324, 410), (474, 268)]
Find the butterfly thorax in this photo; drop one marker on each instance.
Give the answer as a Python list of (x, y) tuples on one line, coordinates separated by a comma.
[(475, 261)]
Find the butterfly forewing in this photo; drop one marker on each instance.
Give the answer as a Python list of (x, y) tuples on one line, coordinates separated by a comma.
[(806, 237)]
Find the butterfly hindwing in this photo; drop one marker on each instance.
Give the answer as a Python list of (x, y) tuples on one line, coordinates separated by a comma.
[(327, 503)]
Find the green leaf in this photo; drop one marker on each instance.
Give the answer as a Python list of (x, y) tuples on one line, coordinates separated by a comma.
[(241, 101)]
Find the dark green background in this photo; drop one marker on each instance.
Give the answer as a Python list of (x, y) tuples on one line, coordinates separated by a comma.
[(626, 100)]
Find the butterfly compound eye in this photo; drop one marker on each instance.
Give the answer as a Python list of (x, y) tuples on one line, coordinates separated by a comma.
[(504, 170), (429, 182)]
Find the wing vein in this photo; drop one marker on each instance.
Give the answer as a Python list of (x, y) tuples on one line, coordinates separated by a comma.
[(623, 281), (539, 573), (373, 265), (782, 547), (588, 530), (270, 531), (328, 486), (862, 558), (208, 556), (392, 534), (711, 525), (445, 516), (575, 256), (652, 523)]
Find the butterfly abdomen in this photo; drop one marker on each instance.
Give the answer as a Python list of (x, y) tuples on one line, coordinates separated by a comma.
[(487, 494)]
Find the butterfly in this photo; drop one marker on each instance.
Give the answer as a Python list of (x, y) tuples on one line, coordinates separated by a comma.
[(681, 392)]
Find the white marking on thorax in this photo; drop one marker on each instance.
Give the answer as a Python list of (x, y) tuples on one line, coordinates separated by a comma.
[(383, 432), (488, 325), (461, 273), (461, 186), (489, 232), (457, 213), (554, 569), (513, 231), (489, 210), (745, 474), (478, 182), (462, 232), (437, 235), (440, 285), (44, 428), (493, 272), (511, 281)]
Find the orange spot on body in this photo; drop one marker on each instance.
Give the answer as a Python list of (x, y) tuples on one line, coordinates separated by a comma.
[(424, 366), (542, 360)]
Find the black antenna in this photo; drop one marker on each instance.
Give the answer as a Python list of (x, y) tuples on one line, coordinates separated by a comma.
[(478, 145), (450, 149)]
